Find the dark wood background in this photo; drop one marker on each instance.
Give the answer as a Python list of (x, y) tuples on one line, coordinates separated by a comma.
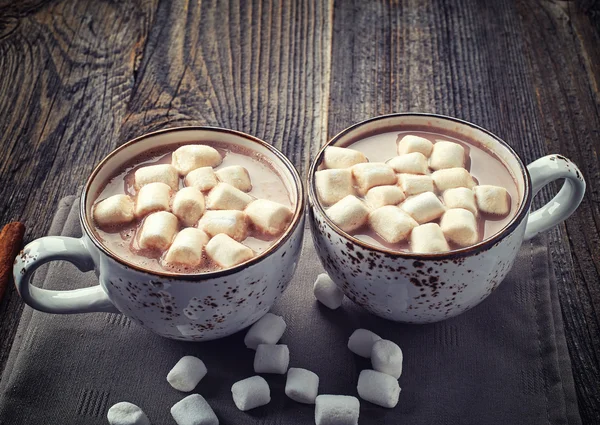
[(80, 77)]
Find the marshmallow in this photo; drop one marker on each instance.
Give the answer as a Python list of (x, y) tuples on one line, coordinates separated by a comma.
[(424, 207), (447, 155), (226, 197), (335, 157), (268, 217), (250, 393), (459, 226), (327, 292), (152, 197), (410, 143), (268, 330), (336, 410), (188, 205), (460, 197), (203, 178), (391, 223), (125, 413), (302, 385), (410, 163), (349, 214), (160, 173), (157, 231), (190, 157), (230, 222), (428, 238), (450, 178), (413, 184), (371, 174), (186, 373), (271, 358), (227, 252), (187, 247), (235, 175), (386, 357), (378, 388), (114, 211), (492, 199), (194, 410), (384, 195), (333, 185), (361, 342)]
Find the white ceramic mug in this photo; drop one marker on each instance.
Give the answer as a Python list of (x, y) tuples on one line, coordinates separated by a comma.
[(178, 306), (422, 288)]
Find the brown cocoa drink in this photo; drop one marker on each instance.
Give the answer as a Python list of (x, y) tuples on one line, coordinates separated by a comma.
[(192, 208), (417, 190)]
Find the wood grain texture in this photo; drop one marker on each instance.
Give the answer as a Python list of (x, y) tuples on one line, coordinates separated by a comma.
[(567, 87), (80, 77), (258, 67), (67, 74)]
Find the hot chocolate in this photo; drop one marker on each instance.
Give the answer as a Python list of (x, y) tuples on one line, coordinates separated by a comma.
[(381, 188), (164, 210)]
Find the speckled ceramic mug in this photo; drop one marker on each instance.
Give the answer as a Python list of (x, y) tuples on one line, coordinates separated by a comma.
[(424, 288), (186, 307)]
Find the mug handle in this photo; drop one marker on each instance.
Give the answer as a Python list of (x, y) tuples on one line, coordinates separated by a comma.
[(52, 248), (566, 201)]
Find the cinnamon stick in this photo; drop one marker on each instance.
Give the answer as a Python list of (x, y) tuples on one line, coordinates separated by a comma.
[(11, 239)]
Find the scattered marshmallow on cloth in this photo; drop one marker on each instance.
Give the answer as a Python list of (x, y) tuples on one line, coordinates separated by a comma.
[(271, 358), (327, 292), (336, 410), (125, 413), (267, 330), (386, 357), (187, 373), (302, 385), (194, 410), (361, 342), (378, 388), (251, 393)]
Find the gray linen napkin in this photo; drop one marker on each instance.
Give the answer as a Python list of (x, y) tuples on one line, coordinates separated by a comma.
[(504, 362)]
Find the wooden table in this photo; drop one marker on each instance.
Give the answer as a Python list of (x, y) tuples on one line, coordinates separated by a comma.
[(80, 77)]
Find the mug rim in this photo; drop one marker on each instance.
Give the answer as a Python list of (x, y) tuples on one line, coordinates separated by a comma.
[(296, 218), (449, 255)]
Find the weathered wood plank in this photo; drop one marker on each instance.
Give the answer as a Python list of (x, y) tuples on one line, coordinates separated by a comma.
[(67, 74), (258, 67), (527, 71), (568, 104)]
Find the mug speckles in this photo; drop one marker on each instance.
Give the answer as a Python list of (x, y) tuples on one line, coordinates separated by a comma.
[(185, 307), (415, 288), (208, 309)]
